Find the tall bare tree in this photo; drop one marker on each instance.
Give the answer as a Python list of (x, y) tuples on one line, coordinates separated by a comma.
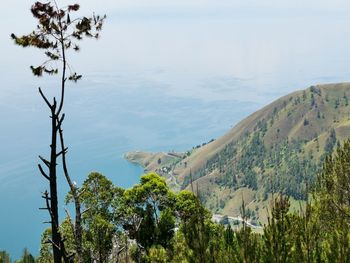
[(57, 32)]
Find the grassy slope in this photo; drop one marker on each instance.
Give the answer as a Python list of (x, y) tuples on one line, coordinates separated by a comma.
[(303, 119)]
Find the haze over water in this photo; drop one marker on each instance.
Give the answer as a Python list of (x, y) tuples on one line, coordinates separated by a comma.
[(164, 76)]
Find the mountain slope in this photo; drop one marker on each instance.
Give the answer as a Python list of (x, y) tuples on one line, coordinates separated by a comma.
[(276, 149)]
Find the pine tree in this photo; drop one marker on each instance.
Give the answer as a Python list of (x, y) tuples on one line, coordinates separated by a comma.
[(333, 199), (55, 34), (4, 257), (277, 233), (26, 257)]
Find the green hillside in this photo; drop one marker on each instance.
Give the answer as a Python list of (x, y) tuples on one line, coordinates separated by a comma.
[(276, 149)]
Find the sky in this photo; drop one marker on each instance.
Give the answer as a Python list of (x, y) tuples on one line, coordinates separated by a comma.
[(160, 66), (234, 39)]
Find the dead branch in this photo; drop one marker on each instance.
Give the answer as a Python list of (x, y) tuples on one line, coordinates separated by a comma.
[(45, 99), (43, 173)]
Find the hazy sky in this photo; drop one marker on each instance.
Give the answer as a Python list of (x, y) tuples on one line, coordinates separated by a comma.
[(186, 43)]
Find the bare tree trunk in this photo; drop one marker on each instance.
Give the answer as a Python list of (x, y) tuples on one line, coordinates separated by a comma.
[(51, 199), (58, 247), (78, 236), (56, 238)]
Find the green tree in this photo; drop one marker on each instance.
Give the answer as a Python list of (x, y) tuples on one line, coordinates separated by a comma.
[(4, 257), (333, 199), (277, 233), (180, 252), (334, 185), (55, 34), (166, 226), (96, 195), (306, 235), (26, 257), (45, 254), (330, 142), (247, 246), (157, 254), (146, 212), (195, 224)]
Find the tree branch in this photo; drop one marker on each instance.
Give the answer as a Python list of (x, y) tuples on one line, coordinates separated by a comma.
[(57, 246), (60, 121), (63, 80), (70, 222), (85, 211), (43, 173), (45, 99), (46, 162), (77, 230), (65, 150), (46, 197), (54, 104)]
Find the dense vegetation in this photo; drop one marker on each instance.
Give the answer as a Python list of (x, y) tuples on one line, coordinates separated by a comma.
[(278, 149), (150, 223)]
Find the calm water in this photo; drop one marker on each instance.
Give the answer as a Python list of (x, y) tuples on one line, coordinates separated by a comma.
[(106, 117)]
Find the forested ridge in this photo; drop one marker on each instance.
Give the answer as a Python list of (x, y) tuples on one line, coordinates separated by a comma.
[(279, 148)]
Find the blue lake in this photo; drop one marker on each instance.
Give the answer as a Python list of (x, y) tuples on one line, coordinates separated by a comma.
[(106, 117)]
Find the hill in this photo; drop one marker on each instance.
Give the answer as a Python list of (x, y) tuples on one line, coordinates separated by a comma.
[(276, 149)]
